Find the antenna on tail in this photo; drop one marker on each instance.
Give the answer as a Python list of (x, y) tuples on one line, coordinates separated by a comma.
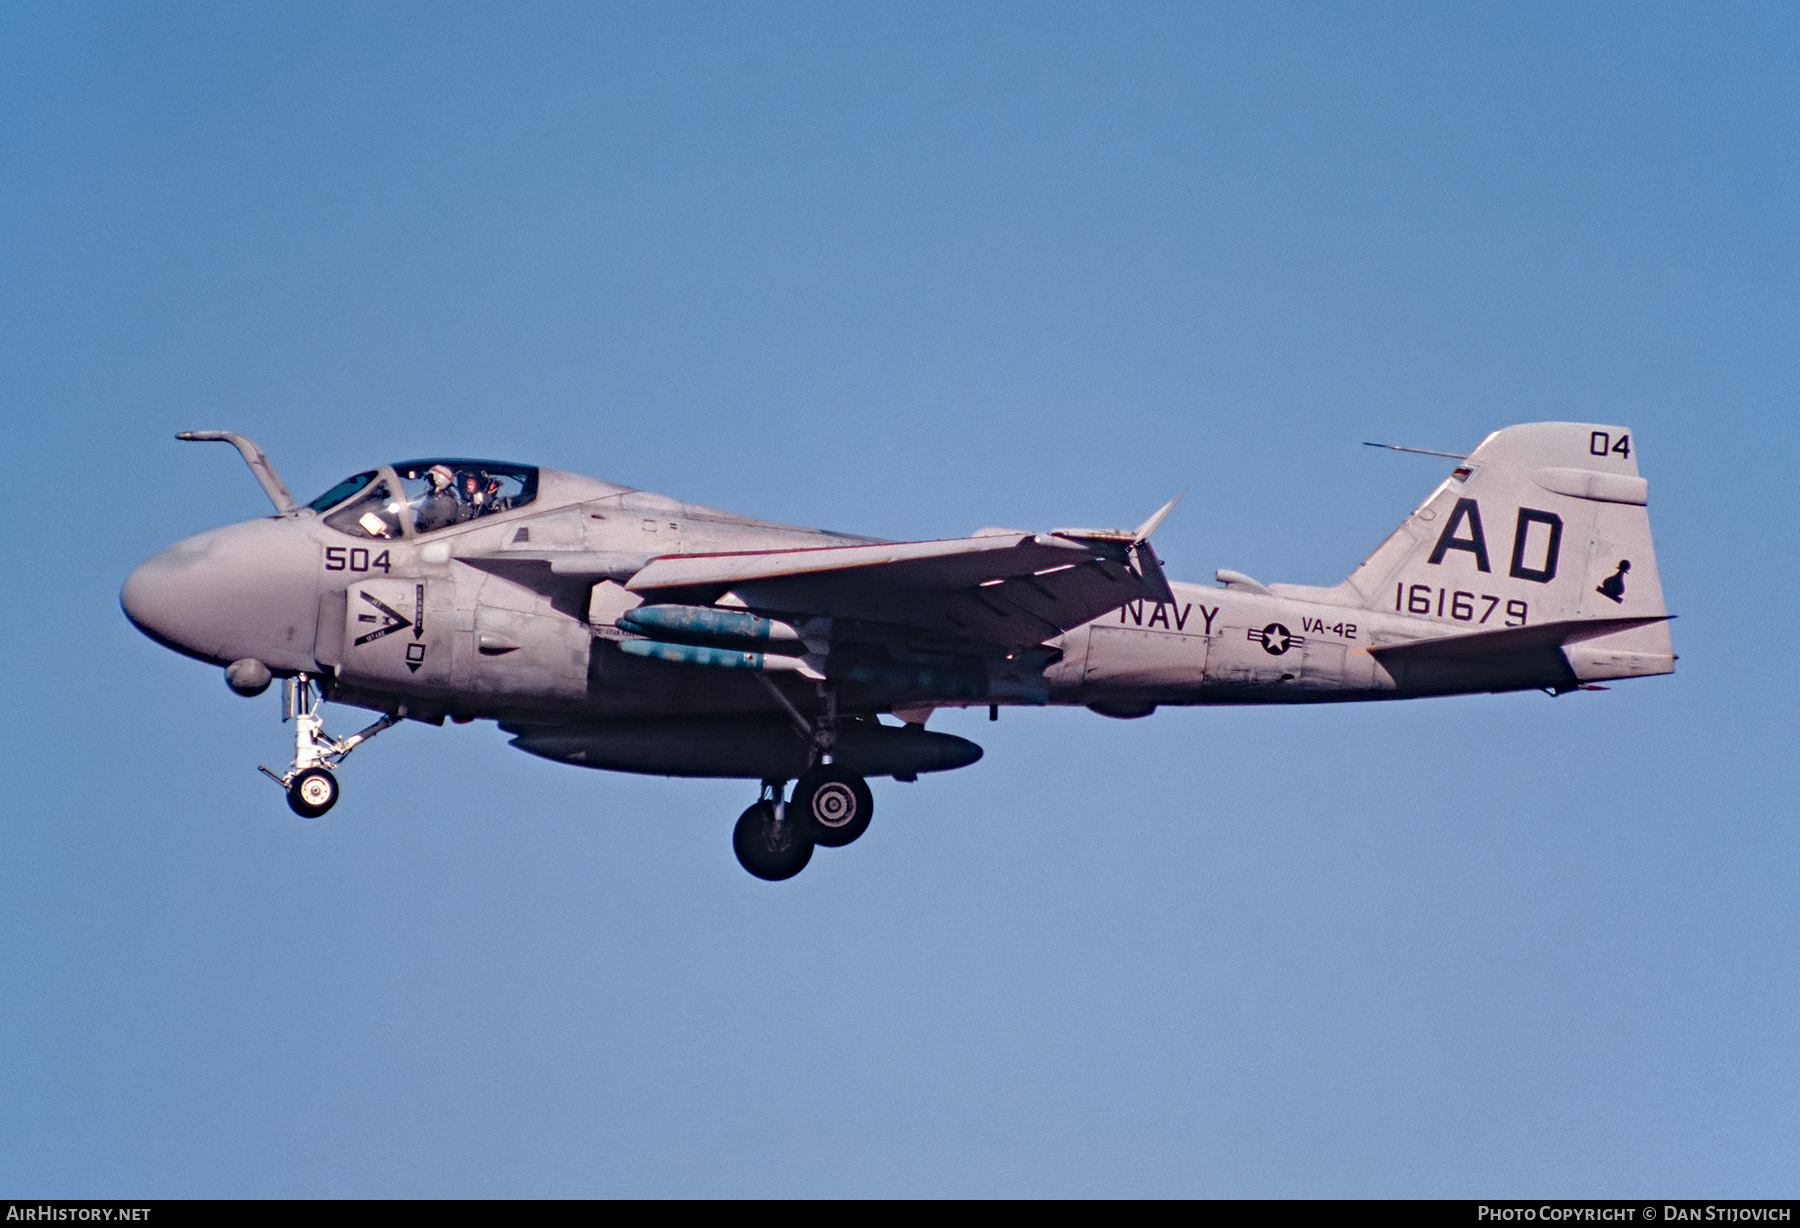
[(1394, 447)]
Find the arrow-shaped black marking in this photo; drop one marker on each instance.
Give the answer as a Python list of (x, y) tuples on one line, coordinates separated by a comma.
[(391, 620)]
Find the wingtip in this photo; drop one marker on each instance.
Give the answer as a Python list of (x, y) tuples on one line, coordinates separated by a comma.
[(1143, 531)]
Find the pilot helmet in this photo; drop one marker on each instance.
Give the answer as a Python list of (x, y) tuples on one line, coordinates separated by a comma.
[(440, 476)]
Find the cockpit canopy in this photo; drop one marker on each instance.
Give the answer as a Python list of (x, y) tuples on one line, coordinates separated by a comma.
[(423, 496)]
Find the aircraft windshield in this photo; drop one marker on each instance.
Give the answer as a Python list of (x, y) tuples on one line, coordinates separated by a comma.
[(376, 514), (442, 493), (343, 490)]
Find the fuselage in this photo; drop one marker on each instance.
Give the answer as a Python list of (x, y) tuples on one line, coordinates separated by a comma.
[(496, 628)]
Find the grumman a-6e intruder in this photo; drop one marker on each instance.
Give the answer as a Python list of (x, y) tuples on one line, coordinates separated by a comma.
[(613, 628)]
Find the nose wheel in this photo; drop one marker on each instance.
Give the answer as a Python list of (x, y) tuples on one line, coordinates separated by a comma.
[(312, 793), (311, 787)]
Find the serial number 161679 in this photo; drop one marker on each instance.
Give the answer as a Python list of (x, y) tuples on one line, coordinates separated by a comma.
[(1464, 607)]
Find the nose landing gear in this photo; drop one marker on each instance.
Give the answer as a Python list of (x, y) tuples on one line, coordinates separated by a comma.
[(312, 793), (311, 788)]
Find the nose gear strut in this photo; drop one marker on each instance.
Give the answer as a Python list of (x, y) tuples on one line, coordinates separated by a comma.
[(311, 788)]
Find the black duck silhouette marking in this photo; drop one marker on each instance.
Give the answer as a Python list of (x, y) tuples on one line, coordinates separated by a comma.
[(1613, 587)]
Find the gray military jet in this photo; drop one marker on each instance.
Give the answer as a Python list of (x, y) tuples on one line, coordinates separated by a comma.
[(613, 628)]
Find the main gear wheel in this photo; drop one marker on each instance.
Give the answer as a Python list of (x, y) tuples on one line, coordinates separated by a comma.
[(834, 805), (769, 844)]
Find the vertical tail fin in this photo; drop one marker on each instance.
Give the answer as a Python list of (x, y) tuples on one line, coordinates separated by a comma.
[(1544, 522)]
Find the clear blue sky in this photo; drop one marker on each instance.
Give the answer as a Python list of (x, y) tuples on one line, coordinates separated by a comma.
[(905, 270)]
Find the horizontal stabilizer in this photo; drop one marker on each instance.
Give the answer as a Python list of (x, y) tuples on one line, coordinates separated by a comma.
[(1509, 641)]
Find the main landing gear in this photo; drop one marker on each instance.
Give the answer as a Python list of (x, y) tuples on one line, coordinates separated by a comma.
[(775, 839), (835, 806), (311, 787), (768, 840), (829, 808)]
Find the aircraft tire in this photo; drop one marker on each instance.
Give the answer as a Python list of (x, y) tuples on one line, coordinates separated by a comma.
[(312, 793), (835, 805), (770, 853)]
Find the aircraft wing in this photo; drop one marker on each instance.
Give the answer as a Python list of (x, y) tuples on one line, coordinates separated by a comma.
[(1011, 589)]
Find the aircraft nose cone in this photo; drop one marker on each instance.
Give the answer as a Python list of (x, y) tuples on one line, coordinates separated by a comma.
[(153, 598), (246, 590)]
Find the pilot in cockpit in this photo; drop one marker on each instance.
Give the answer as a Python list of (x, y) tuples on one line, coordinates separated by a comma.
[(468, 487), (439, 509), (479, 493), (493, 497)]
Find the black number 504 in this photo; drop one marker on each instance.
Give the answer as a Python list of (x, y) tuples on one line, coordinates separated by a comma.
[(355, 558)]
